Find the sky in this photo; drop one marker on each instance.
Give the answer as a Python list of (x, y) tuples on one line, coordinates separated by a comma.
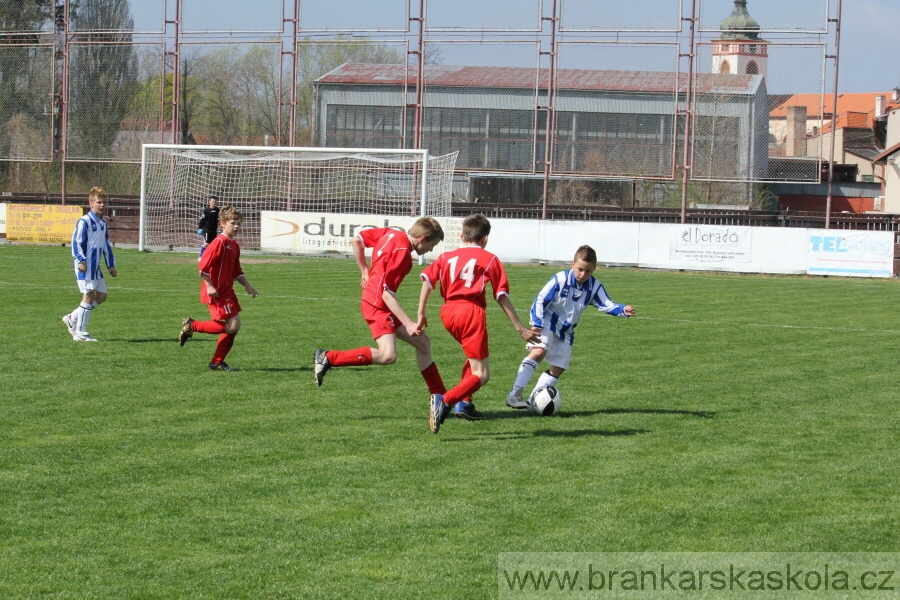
[(869, 29)]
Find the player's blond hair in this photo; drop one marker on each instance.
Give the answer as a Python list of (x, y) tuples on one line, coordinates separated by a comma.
[(475, 228), (427, 228), (97, 192), (587, 254), (230, 213)]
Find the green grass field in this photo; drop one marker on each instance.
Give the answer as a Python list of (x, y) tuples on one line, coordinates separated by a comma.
[(735, 413)]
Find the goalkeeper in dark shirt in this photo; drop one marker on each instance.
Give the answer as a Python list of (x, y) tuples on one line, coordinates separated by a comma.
[(209, 223)]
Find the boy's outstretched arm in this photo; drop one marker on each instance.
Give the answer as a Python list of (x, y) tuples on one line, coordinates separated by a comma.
[(423, 303), (393, 305), (359, 253), (250, 290), (524, 332)]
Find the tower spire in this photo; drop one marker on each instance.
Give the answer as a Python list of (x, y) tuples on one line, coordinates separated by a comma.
[(740, 50)]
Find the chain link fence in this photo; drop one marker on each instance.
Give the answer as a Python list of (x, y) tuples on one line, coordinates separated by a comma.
[(583, 91)]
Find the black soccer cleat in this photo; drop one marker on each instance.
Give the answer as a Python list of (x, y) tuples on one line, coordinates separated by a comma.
[(320, 366), (186, 331), (222, 366)]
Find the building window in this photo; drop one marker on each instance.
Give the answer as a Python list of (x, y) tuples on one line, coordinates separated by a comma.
[(752, 68), (752, 48), (725, 68)]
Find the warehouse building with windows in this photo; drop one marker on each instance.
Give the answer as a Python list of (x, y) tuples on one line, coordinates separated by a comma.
[(608, 123)]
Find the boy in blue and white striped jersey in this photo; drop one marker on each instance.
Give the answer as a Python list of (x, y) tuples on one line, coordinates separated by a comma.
[(90, 242), (555, 313)]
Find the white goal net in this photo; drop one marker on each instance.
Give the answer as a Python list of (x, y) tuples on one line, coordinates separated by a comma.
[(177, 181)]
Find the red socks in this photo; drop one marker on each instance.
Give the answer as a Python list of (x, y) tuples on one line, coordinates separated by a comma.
[(213, 327), (223, 346), (464, 390), (359, 357), (433, 380)]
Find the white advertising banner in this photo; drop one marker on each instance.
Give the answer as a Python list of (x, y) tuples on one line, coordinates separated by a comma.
[(329, 233), (710, 244), (850, 253), (3, 219), (783, 250)]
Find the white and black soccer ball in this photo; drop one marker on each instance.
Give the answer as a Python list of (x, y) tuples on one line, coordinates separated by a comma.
[(545, 401)]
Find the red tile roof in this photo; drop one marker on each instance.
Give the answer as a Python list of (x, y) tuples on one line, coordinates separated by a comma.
[(817, 105)]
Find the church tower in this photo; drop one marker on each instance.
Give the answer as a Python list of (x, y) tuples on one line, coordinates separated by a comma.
[(740, 51)]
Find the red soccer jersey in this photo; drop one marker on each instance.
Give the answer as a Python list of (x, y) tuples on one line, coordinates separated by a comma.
[(222, 262), (464, 274), (391, 261)]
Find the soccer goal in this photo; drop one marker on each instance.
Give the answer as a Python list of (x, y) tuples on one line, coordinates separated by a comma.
[(177, 181)]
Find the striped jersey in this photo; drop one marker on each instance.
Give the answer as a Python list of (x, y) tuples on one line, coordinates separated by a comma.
[(90, 241), (560, 304), (464, 274), (222, 262), (391, 261)]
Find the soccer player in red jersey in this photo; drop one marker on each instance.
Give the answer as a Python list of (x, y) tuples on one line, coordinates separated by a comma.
[(391, 261), (220, 267), (463, 275)]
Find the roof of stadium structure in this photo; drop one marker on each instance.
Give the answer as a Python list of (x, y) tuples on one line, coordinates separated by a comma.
[(529, 78)]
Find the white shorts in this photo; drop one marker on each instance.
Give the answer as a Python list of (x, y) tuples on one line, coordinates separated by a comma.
[(92, 285), (559, 352)]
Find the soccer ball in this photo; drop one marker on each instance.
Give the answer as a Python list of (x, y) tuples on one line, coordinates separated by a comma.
[(545, 401)]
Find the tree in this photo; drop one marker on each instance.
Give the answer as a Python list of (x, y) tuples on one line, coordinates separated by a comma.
[(26, 15), (317, 59), (103, 76), (25, 92)]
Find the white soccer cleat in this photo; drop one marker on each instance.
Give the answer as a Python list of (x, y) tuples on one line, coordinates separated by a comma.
[(83, 336), (67, 320), (514, 400)]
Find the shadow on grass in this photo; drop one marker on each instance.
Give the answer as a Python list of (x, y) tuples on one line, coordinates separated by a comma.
[(702, 414), (516, 414), (150, 341), (524, 435)]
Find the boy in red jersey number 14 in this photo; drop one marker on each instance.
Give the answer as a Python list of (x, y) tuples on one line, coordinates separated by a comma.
[(220, 267), (391, 261), (463, 275)]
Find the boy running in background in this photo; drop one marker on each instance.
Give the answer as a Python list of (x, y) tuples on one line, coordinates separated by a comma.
[(555, 314), (220, 267), (90, 241), (463, 275), (391, 261)]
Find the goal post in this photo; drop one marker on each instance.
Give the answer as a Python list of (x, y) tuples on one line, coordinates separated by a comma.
[(177, 181)]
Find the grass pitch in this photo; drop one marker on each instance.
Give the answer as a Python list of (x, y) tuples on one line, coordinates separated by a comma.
[(735, 413)]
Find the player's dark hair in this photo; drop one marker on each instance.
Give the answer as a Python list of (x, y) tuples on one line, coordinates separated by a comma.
[(475, 228), (427, 228), (587, 254), (230, 213), (213, 197)]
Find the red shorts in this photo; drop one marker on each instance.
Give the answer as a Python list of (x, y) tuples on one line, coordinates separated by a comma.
[(467, 323), (224, 307), (380, 321)]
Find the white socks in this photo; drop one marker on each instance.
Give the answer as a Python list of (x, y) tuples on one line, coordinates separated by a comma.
[(545, 379), (82, 315), (526, 370)]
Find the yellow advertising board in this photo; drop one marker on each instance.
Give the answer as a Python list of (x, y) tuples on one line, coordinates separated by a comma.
[(43, 224)]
